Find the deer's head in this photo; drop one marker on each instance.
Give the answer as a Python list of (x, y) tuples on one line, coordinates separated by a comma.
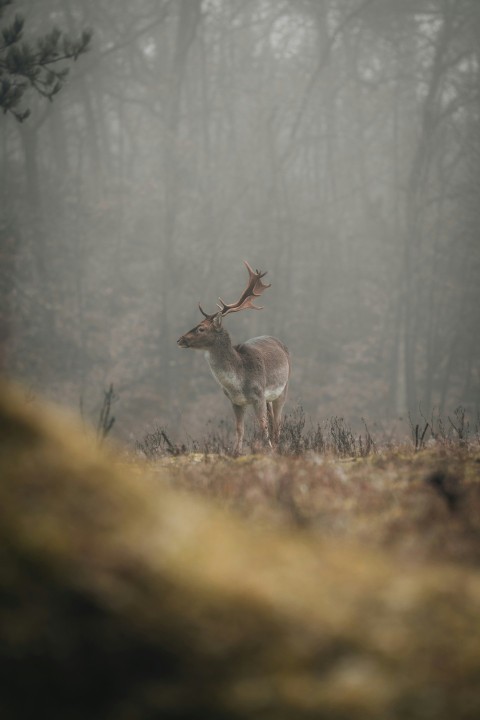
[(205, 334)]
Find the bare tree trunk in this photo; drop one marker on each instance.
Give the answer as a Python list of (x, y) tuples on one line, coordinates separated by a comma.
[(189, 16), (417, 181)]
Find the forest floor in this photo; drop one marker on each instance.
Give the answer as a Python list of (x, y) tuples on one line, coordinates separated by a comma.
[(417, 506)]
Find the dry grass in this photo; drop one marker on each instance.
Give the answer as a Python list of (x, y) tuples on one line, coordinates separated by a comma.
[(420, 506)]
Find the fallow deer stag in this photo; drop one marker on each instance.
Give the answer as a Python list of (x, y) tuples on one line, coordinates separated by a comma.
[(253, 373)]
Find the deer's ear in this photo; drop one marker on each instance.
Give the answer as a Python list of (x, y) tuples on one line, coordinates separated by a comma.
[(217, 322)]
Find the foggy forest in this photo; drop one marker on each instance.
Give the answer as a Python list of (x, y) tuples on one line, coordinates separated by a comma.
[(326, 567), (333, 143)]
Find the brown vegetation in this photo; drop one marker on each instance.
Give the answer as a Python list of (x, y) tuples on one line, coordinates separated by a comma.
[(422, 506), (121, 597)]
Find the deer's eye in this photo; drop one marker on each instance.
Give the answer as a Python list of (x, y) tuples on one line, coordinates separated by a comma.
[(200, 329)]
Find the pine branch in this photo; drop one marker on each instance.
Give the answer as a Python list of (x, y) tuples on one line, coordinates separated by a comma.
[(25, 66)]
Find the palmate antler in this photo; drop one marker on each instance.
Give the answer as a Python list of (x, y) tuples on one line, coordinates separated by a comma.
[(253, 290)]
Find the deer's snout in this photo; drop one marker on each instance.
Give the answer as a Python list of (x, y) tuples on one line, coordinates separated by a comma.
[(182, 342)]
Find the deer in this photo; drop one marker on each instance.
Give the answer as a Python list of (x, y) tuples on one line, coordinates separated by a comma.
[(254, 373)]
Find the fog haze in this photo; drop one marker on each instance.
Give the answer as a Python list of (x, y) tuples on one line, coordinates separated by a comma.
[(333, 143)]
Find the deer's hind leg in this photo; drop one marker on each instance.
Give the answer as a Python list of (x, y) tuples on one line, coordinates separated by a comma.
[(277, 408), (271, 427)]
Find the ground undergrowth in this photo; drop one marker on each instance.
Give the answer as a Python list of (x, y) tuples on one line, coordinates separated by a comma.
[(332, 436)]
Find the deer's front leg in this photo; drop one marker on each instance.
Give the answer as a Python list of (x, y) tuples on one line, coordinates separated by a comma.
[(239, 411)]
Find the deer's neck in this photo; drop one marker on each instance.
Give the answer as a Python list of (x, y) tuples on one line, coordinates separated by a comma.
[(226, 366), (223, 355)]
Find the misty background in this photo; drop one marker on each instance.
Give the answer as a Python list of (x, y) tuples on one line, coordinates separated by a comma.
[(333, 143)]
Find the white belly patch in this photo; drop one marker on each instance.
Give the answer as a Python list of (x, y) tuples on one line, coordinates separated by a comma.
[(272, 394)]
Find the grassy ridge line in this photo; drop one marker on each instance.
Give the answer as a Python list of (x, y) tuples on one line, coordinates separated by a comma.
[(332, 437), (121, 597)]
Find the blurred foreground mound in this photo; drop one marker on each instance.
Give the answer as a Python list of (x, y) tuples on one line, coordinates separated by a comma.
[(120, 598)]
